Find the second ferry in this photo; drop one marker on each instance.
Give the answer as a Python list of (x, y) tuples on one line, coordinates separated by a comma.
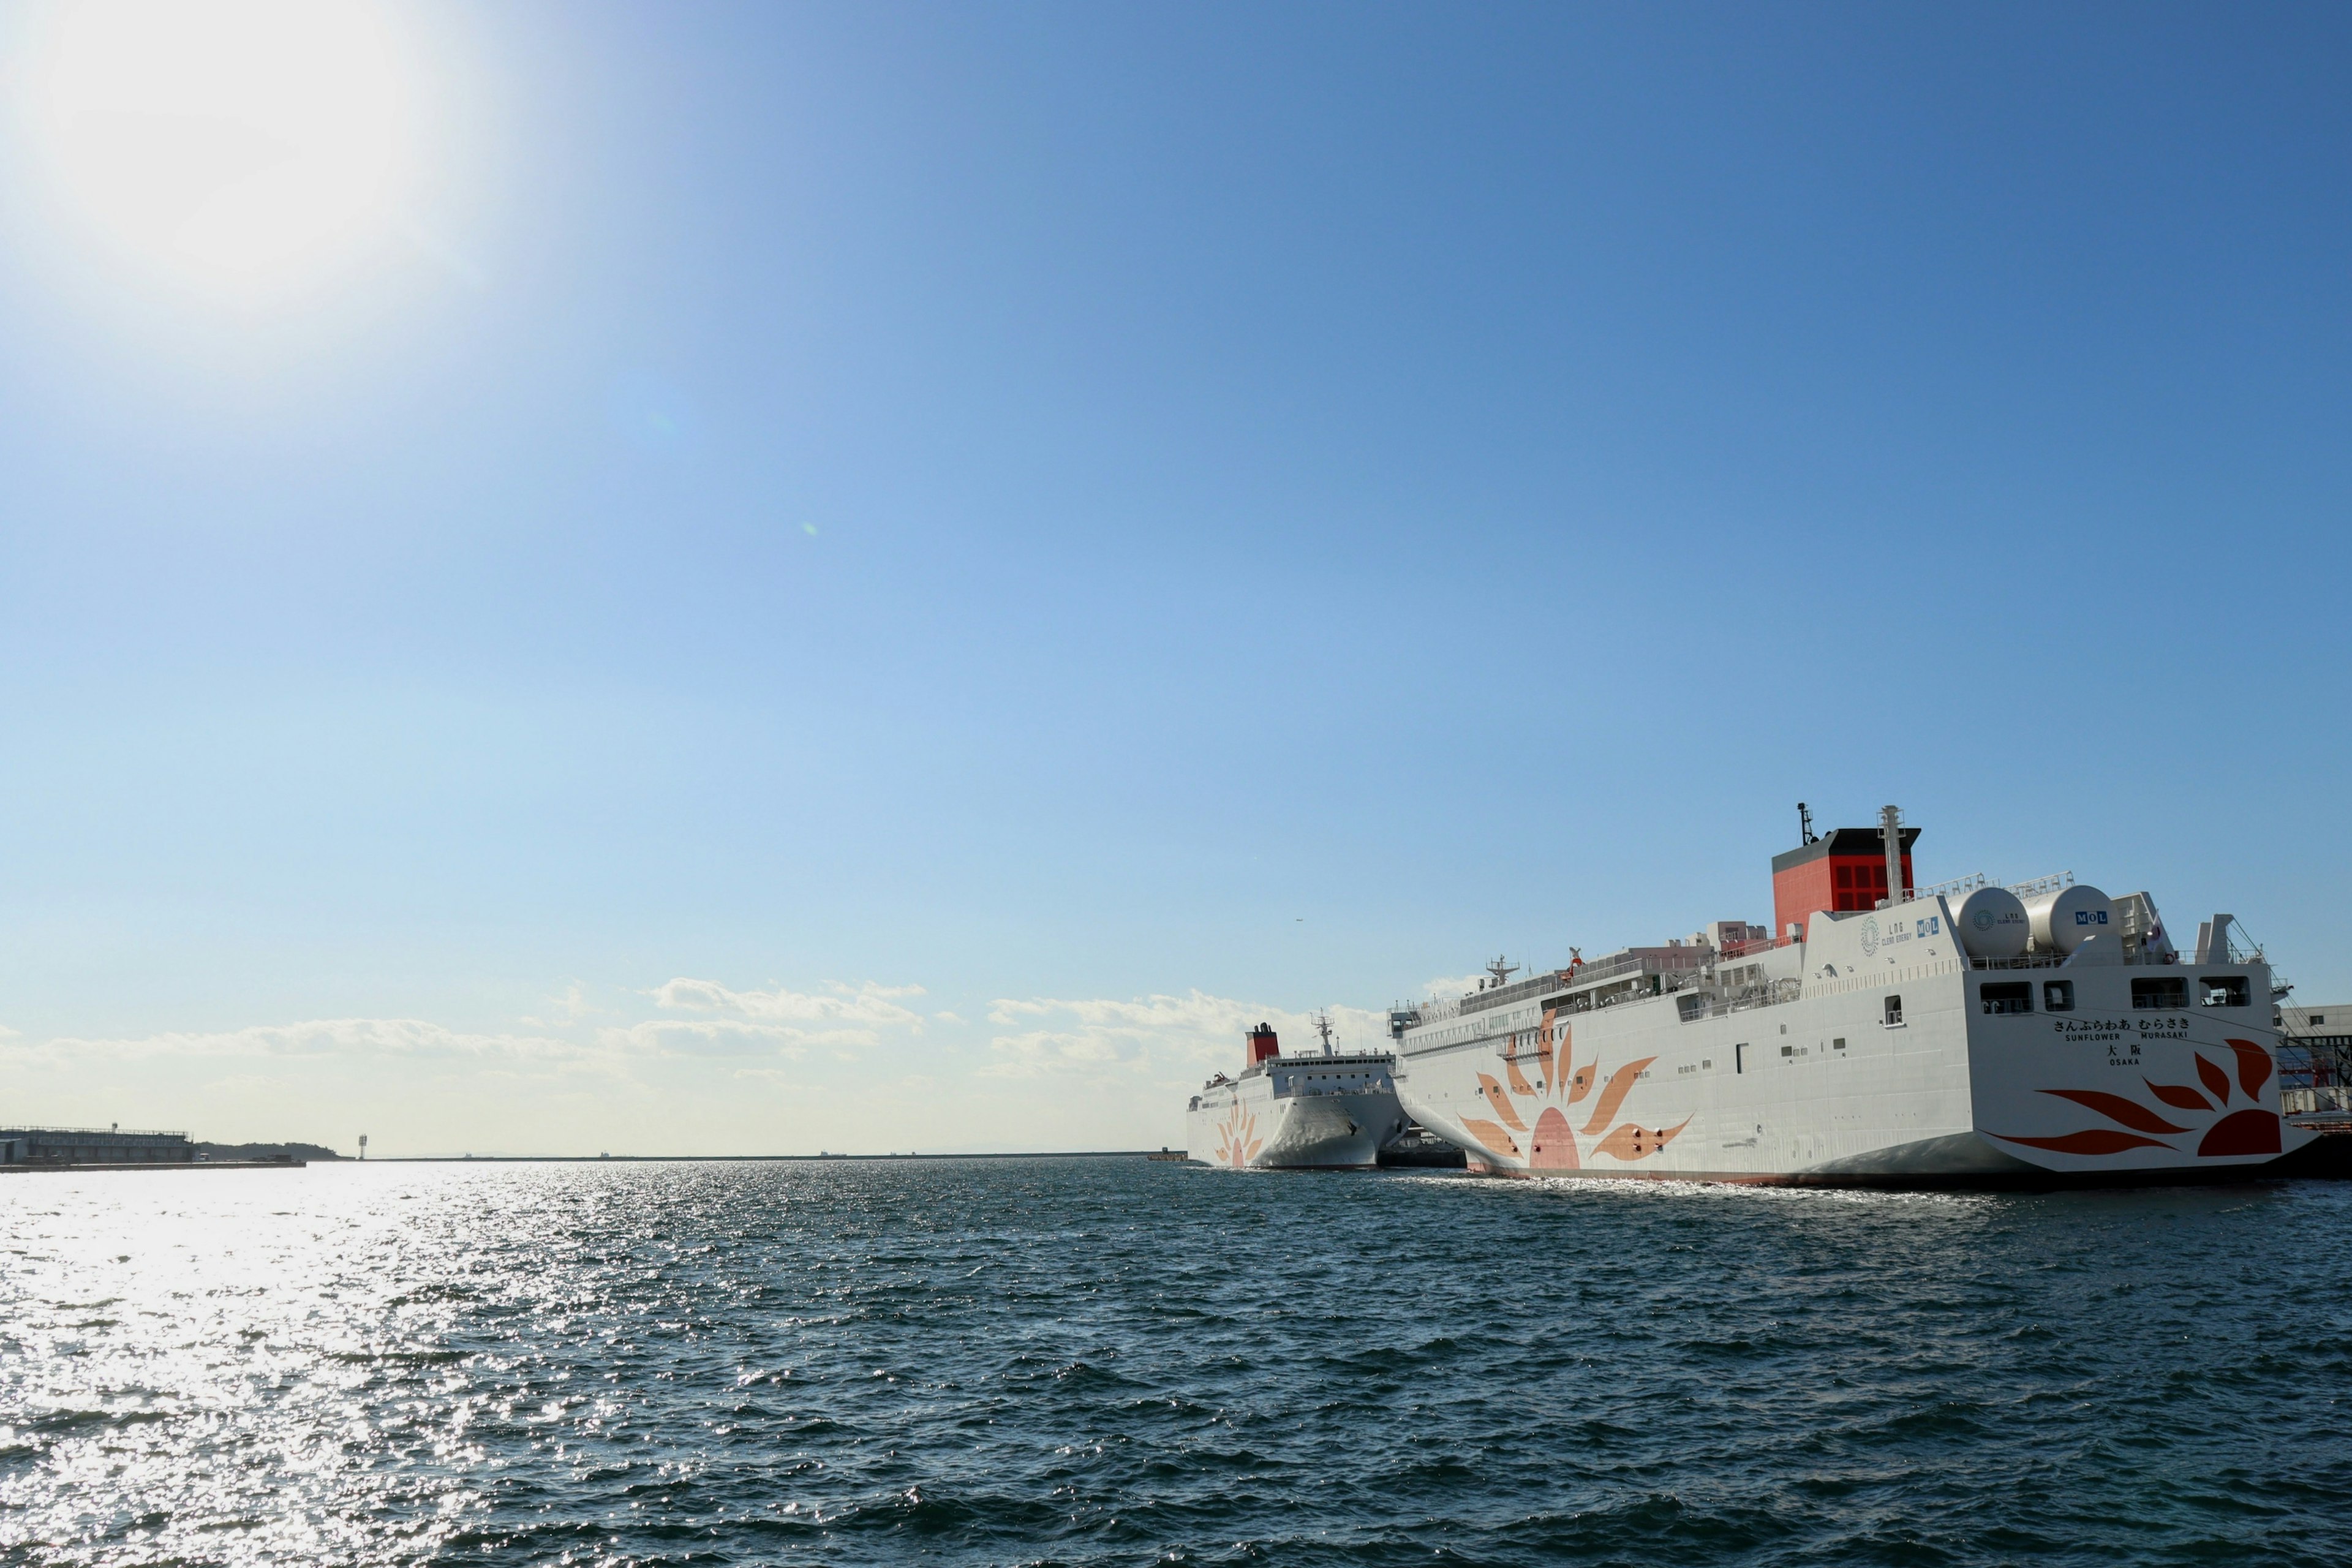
[(1332, 1112)]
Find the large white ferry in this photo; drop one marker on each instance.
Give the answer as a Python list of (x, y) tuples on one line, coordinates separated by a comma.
[(1328, 1111), (1876, 1033)]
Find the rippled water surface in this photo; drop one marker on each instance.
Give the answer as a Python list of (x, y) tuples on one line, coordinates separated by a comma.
[(1111, 1361)]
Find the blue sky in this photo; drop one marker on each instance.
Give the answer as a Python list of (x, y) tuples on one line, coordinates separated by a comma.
[(825, 556)]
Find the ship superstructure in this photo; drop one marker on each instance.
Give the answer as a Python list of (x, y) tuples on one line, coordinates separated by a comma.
[(1328, 1111), (1876, 1033)]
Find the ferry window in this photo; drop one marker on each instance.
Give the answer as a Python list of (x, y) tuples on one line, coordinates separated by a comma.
[(2160, 995), (2223, 990), (2008, 996), (2057, 996), (1893, 1011), (1838, 1044), (1788, 1050), (2318, 1018), (1739, 1056)]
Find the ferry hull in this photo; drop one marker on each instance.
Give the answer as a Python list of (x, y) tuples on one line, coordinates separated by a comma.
[(1323, 1131)]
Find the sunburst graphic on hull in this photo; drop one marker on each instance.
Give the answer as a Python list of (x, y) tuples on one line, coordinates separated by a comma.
[(2248, 1130), (1237, 1140), (1538, 1112)]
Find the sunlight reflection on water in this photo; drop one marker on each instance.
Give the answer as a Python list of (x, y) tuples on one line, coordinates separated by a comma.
[(1098, 1361)]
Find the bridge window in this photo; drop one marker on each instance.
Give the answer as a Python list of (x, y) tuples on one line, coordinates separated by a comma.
[(2008, 996), (2161, 995), (2223, 990)]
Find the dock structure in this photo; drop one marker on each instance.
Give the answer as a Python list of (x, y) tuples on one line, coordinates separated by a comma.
[(2315, 1060), (93, 1146)]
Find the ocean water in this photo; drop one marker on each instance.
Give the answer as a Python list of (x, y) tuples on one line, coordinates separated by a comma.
[(1117, 1362)]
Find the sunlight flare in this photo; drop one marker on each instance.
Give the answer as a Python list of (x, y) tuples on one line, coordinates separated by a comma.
[(241, 142)]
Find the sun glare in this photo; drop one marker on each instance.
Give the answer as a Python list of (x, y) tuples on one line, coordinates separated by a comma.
[(244, 143)]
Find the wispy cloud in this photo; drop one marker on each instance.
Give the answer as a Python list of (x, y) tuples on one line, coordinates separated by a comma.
[(374, 1037), (1154, 1035), (564, 1011), (809, 1065), (698, 1018), (731, 1037), (869, 1003)]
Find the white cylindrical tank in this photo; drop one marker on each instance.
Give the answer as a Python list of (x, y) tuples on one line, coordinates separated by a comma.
[(1991, 923), (2065, 920)]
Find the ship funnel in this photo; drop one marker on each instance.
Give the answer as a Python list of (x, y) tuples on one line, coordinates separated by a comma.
[(1842, 870), (1263, 1045)]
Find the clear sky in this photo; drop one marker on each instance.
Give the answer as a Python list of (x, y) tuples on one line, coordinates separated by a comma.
[(757, 578)]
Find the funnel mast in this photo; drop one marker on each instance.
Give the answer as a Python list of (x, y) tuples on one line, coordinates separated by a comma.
[(1890, 827)]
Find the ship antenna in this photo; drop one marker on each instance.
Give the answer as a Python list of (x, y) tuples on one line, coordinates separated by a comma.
[(1500, 970), (1805, 824), (1323, 1026)]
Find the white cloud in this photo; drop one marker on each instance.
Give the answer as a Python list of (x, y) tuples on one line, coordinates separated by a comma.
[(405, 1038), (868, 1004), (565, 1010), (1149, 1014), (712, 1066), (1161, 1037), (706, 1038), (732, 1036), (1446, 987), (717, 1022)]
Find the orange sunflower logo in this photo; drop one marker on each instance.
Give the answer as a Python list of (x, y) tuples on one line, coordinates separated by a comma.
[(1237, 1140), (1540, 1113), (2251, 1130)]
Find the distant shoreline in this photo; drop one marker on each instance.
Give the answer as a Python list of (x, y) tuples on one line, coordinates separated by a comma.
[(722, 1159)]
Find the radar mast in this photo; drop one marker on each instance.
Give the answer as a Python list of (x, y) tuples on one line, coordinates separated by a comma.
[(1322, 1022)]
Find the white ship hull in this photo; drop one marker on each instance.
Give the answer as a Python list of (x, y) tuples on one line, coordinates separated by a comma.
[(1297, 1113), (1784, 1063)]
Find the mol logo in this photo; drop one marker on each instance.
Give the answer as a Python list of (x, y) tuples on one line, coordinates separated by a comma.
[(2090, 917), (1934, 925)]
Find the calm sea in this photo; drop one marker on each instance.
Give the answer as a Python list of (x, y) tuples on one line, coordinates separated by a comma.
[(1117, 1362)]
